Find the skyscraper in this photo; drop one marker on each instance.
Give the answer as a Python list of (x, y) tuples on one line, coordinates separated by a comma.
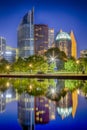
[(63, 42), (2, 46), (25, 35), (41, 38), (74, 45), (50, 37)]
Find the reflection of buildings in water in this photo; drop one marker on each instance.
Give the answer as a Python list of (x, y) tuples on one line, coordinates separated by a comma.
[(64, 106), (52, 110), (75, 102), (68, 104), (26, 111), (45, 110), (41, 110), (2, 102), (10, 94)]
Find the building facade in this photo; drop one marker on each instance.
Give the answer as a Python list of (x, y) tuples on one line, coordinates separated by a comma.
[(50, 37), (74, 45), (25, 35), (41, 38), (2, 46), (63, 42), (83, 53), (10, 54)]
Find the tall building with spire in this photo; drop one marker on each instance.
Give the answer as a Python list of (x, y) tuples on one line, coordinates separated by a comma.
[(25, 35), (74, 45)]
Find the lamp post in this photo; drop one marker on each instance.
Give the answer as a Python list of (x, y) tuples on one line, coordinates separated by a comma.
[(30, 65), (77, 62)]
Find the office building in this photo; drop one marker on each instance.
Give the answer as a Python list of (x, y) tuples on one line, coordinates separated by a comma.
[(83, 53), (10, 54), (25, 35), (74, 45), (41, 38), (50, 37), (2, 46), (63, 42), (66, 42)]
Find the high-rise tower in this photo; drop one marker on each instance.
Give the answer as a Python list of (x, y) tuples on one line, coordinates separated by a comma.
[(50, 37), (2, 46), (41, 38), (63, 42), (74, 45), (25, 35)]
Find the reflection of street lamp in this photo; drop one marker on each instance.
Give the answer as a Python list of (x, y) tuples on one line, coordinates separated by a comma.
[(7, 67), (30, 65), (77, 62)]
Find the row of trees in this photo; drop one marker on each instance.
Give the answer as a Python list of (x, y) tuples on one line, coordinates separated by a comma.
[(53, 58)]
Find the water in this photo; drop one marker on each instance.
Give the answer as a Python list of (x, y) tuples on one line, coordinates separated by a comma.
[(36, 104)]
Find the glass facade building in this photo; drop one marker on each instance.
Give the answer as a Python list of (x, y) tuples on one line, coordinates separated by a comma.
[(10, 54), (2, 46), (50, 37), (25, 35)]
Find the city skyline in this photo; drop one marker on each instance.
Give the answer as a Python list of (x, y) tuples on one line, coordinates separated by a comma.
[(66, 15)]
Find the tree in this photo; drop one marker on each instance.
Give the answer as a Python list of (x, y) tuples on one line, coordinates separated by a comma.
[(71, 65)]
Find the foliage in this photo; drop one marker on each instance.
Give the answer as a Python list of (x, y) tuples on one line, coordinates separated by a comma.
[(71, 65)]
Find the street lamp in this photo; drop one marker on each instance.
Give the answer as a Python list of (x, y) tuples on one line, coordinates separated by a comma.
[(77, 62), (30, 65)]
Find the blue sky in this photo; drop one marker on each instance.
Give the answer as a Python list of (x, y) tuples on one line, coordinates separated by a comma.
[(60, 14)]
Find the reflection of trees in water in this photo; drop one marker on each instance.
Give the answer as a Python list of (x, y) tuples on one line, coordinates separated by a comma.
[(51, 88), (54, 93), (31, 86), (5, 83)]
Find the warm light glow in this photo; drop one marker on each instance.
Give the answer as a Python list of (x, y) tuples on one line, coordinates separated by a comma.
[(77, 61), (30, 65), (7, 67)]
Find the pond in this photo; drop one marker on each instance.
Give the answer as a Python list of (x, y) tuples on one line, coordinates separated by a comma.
[(38, 104)]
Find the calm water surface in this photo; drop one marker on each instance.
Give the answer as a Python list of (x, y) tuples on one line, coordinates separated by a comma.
[(35, 104)]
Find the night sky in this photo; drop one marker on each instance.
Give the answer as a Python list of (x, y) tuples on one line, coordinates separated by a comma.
[(60, 14)]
